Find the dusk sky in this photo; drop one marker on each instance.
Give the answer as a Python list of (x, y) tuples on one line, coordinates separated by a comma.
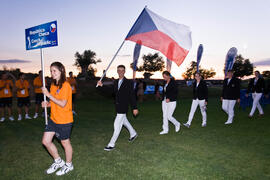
[(102, 26)]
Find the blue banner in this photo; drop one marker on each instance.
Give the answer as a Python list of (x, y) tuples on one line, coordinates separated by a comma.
[(136, 55), (199, 56), (169, 65), (230, 58), (41, 36)]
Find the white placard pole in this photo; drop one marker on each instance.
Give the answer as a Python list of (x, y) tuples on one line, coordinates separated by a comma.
[(43, 84)]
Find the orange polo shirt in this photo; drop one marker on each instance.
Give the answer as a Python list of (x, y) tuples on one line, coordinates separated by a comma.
[(25, 85), (62, 115), (38, 82), (6, 92), (72, 82)]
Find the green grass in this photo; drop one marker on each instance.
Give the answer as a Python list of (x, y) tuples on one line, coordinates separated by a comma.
[(239, 151)]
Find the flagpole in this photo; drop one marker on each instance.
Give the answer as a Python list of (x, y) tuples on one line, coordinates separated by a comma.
[(111, 61), (116, 54), (43, 84)]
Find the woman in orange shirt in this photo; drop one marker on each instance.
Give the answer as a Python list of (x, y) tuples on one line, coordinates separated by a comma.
[(61, 120)]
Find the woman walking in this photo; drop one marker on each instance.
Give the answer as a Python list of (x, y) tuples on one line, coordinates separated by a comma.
[(256, 86), (200, 97), (61, 120), (169, 97)]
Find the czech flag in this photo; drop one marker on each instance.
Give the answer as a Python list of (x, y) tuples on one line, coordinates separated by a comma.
[(171, 39)]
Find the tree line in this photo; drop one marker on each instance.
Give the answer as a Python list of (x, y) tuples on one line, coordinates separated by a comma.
[(153, 62)]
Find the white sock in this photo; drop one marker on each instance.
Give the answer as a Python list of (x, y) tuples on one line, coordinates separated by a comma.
[(36, 113), (58, 160), (69, 164)]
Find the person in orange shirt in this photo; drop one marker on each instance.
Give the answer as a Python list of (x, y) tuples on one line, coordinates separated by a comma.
[(23, 99), (73, 84), (6, 86), (61, 120), (38, 91)]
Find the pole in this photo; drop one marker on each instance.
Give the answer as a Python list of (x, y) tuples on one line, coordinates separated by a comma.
[(111, 61), (43, 84)]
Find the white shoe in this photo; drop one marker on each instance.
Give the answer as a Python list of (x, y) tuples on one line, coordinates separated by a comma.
[(2, 119), (228, 122), (27, 116), (19, 117), (55, 166), (203, 124), (35, 116), (177, 128), (163, 132), (187, 125), (11, 118), (64, 170)]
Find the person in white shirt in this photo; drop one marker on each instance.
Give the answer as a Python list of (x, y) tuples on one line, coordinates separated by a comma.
[(169, 97), (200, 97)]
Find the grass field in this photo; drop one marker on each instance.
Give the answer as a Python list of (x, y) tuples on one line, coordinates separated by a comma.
[(238, 151)]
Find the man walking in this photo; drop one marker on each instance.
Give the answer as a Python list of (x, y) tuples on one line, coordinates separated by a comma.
[(230, 94), (124, 95)]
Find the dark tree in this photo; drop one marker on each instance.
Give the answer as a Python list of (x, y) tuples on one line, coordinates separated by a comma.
[(242, 67), (84, 62), (266, 74), (205, 73), (151, 63)]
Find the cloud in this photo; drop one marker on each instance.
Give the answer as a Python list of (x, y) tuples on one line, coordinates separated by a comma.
[(11, 61), (264, 62)]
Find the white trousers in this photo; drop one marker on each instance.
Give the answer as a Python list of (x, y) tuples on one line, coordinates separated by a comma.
[(168, 110), (256, 98), (194, 106), (120, 120), (228, 107)]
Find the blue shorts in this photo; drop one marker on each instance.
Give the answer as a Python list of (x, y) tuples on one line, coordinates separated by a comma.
[(39, 98), (6, 102), (62, 131), (23, 101)]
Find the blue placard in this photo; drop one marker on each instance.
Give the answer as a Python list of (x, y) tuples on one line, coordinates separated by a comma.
[(150, 89), (41, 36)]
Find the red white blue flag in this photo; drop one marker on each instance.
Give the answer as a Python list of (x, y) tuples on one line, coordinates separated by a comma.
[(171, 39)]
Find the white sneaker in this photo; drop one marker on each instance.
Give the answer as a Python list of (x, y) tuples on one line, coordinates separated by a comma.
[(11, 118), (187, 125), (2, 119), (35, 116), (64, 170), (19, 117), (163, 132), (177, 128), (203, 124), (27, 116), (55, 166), (228, 122)]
